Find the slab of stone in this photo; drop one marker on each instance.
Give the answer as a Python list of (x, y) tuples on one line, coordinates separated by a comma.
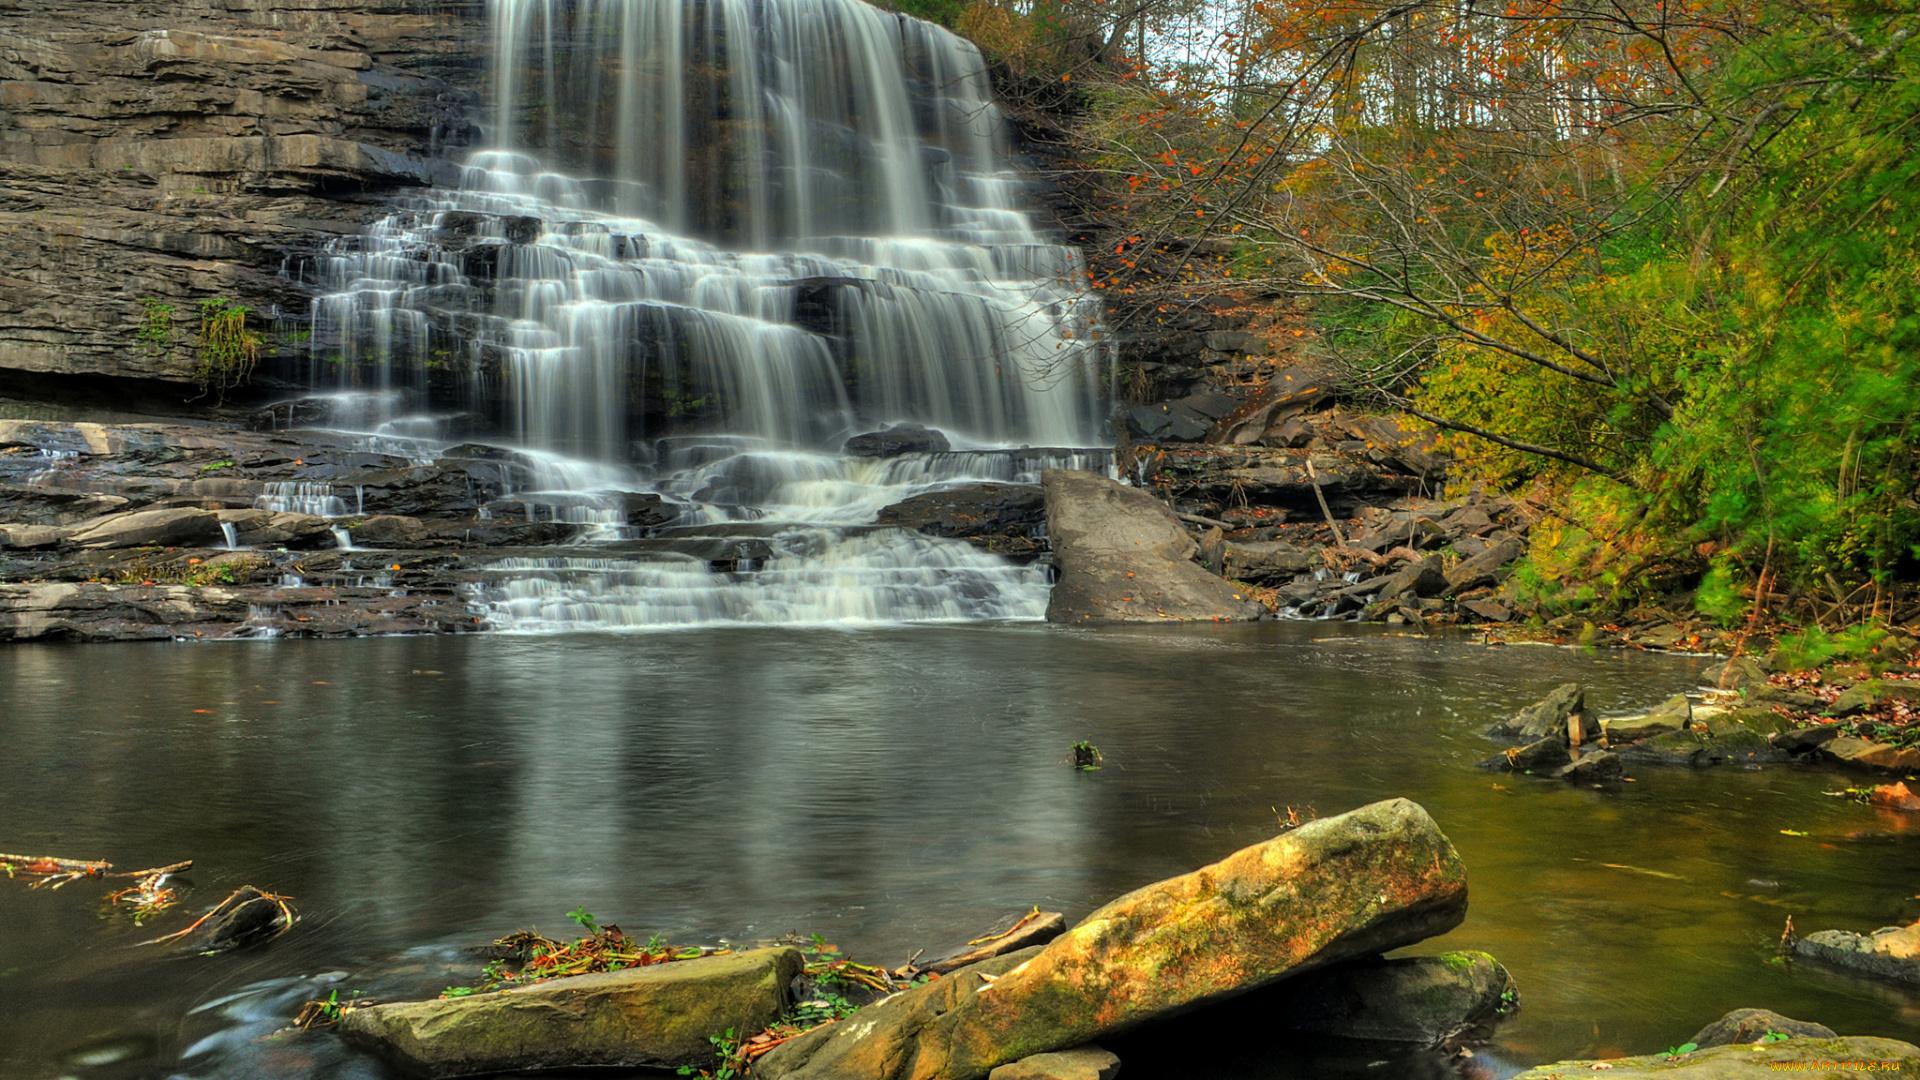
[(173, 527), (1866, 754), (1672, 715), (1794, 1056), (657, 1015), (1080, 1063), (1549, 717), (1735, 674), (1124, 557), (1891, 952), (1336, 889)]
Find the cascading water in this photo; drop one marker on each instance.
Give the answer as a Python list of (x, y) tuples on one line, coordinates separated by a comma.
[(720, 237)]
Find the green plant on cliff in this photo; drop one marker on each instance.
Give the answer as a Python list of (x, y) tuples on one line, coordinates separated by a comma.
[(225, 351), (156, 326)]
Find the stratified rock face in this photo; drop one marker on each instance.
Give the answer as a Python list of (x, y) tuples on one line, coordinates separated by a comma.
[(175, 153), (1355, 885), (662, 1014), (1124, 557)]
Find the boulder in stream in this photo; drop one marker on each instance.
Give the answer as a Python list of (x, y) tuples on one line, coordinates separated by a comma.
[(1549, 718), (1752, 1025), (1891, 952), (657, 1015), (1336, 889), (1124, 557)]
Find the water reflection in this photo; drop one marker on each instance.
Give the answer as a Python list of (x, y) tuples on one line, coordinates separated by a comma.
[(890, 788)]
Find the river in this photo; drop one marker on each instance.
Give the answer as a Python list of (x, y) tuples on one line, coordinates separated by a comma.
[(890, 788)]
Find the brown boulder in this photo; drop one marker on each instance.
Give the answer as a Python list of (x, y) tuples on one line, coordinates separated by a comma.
[(1355, 885)]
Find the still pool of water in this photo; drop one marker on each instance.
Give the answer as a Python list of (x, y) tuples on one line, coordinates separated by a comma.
[(889, 788)]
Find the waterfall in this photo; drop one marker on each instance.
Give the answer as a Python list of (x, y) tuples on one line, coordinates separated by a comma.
[(755, 228)]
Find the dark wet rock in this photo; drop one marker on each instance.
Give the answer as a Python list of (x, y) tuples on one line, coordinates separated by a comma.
[(1743, 1026), (1806, 740), (1483, 569), (1540, 756), (1088, 1062), (267, 528), (172, 527), (1736, 674), (1421, 579), (1171, 421), (1009, 519), (1237, 341), (1272, 562), (1673, 715), (1490, 610), (1891, 952), (1124, 557), (1336, 889), (32, 504), (1421, 1001), (385, 531), (1037, 930), (1594, 767), (1549, 717), (1866, 754), (247, 917), (656, 1015), (896, 440), (1740, 1062)]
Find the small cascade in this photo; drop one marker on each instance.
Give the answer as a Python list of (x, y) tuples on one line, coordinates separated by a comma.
[(815, 577), (343, 539), (231, 534), (301, 497)]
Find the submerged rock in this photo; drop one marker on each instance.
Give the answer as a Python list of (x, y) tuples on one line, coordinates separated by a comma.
[(659, 1015), (1336, 889), (1124, 557), (1080, 1063)]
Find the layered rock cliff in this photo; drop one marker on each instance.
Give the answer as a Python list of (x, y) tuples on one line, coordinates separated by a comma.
[(178, 152)]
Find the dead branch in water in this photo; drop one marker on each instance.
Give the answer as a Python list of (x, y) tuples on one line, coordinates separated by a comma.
[(53, 870)]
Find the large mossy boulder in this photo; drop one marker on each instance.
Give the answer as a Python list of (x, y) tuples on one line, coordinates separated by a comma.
[(1340, 888), (658, 1015), (1813, 1057), (1124, 557)]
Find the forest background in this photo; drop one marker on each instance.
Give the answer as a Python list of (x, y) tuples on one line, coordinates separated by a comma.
[(1653, 261)]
